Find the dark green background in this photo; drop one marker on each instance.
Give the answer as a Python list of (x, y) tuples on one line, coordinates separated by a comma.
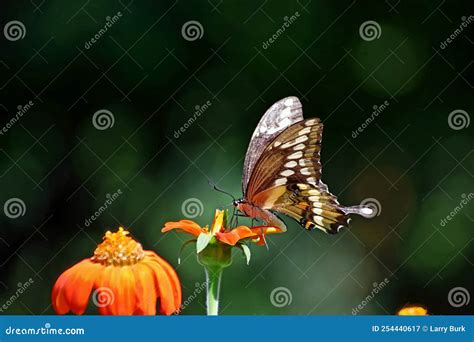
[(151, 79)]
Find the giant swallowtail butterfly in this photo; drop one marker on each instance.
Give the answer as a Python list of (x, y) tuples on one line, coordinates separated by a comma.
[(282, 173)]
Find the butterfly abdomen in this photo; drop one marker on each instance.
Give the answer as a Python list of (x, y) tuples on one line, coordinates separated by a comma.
[(267, 216)]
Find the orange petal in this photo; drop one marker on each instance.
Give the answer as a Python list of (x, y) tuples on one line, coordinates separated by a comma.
[(73, 287), (116, 291), (233, 236), (163, 286), (175, 283), (262, 231), (145, 290), (265, 230), (60, 304), (186, 226)]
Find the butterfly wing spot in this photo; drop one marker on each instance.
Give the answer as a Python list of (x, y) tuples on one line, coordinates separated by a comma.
[(291, 164), (287, 173), (298, 140), (307, 171), (309, 152), (277, 143), (304, 162), (318, 220), (305, 131), (299, 147), (281, 181), (311, 122), (296, 155)]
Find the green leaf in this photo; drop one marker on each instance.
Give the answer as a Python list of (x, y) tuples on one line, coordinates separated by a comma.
[(246, 251), (202, 241)]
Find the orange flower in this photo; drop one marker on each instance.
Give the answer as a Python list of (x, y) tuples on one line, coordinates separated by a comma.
[(223, 234), (126, 280), (412, 310)]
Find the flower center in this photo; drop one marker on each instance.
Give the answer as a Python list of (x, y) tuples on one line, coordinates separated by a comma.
[(118, 249)]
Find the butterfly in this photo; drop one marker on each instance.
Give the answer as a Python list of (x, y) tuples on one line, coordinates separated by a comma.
[(282, 173)]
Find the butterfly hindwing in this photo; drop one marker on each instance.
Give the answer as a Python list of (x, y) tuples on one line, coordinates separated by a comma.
[(312, 207)]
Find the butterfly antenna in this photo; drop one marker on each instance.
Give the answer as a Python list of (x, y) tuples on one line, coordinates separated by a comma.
[(214, 186)]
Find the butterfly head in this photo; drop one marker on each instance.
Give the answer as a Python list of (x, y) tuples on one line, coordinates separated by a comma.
[(243, 206), (238, 202)]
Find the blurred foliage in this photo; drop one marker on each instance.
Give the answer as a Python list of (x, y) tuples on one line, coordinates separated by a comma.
[(151, 79)]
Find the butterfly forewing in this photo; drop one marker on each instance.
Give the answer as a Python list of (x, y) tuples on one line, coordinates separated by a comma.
[(292, 157), (276, 119)]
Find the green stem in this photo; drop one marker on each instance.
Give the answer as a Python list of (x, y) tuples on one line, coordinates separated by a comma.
[(213, 284)]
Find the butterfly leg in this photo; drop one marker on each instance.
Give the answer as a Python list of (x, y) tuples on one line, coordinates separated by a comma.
[(235, 217)]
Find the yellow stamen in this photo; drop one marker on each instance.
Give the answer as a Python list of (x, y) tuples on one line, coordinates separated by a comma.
[(218, 223), (118, 249)]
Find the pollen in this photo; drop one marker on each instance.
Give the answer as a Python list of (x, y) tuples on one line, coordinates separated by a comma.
[(118, 249)]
